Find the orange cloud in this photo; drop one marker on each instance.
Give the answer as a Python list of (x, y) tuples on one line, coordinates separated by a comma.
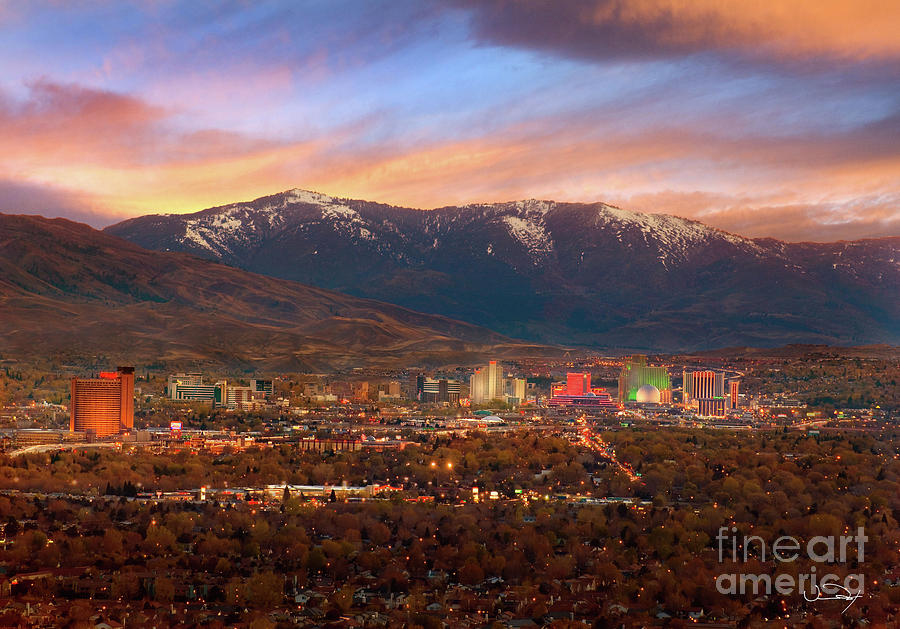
[(600, 29)]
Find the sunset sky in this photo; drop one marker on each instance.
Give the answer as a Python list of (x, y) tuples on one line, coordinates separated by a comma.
[(767, 119)]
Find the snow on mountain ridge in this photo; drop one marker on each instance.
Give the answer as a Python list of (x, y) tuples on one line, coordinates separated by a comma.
[(535, 205), (218, 233), (339, 212), (344, 218), (532, 207), (531, 234), (298, 195), (525, 220), (674, 235)]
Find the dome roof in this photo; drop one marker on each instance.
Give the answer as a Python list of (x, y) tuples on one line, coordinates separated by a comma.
[(647, 394)]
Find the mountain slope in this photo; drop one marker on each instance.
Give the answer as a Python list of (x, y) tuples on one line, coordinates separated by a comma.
[(557, 272), (68, 290)]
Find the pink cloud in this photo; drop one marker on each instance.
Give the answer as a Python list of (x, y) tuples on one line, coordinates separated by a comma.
[(121, 155), (781, 216)]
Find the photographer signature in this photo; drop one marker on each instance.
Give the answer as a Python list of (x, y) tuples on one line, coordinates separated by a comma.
[(838, 593)]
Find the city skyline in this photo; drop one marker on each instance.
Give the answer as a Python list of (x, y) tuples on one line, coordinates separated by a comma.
[(764, 121), (507, 313)]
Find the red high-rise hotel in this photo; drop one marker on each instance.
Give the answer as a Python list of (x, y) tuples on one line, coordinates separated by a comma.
[(577, 391), (578, 383), (105, 405)]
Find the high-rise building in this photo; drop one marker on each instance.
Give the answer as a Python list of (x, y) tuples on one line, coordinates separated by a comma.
[(360, 391), (441, 390), (239, 398), (636, 373), (262, 388), (733, 386), (486, 384), (705, 390), (389, 391), (104, 405), (416, 384), (578, 383), (703, 384), (514, 390)]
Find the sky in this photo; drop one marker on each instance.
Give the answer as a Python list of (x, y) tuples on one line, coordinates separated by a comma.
[(768, 119)]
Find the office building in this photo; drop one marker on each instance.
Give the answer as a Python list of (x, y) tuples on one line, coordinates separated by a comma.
[(262, 388), (239, 398), (416, 385), (436, 391), (389, 391), (187, 379), (104, 405), (636, 373), (189, 387), (360, 391)]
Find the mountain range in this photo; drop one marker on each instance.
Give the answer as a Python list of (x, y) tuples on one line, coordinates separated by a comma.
[(565, 273), (73, 293)]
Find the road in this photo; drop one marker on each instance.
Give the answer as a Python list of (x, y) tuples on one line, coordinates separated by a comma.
[(592, 441), (53, 447)]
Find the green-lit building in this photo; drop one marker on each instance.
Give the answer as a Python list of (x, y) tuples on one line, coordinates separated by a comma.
[(636, 373)]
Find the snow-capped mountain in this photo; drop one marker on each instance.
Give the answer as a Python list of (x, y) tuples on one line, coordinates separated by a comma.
[(558, 272)]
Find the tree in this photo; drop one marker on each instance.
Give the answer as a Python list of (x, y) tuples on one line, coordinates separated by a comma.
[(342, 600), (315, 560), (163, 590), (125, 586), (471, 573), (262, 622), (265, 590), (159, 539)]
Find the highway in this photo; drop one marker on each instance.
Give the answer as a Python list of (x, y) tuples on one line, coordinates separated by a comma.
[(53, 447)]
